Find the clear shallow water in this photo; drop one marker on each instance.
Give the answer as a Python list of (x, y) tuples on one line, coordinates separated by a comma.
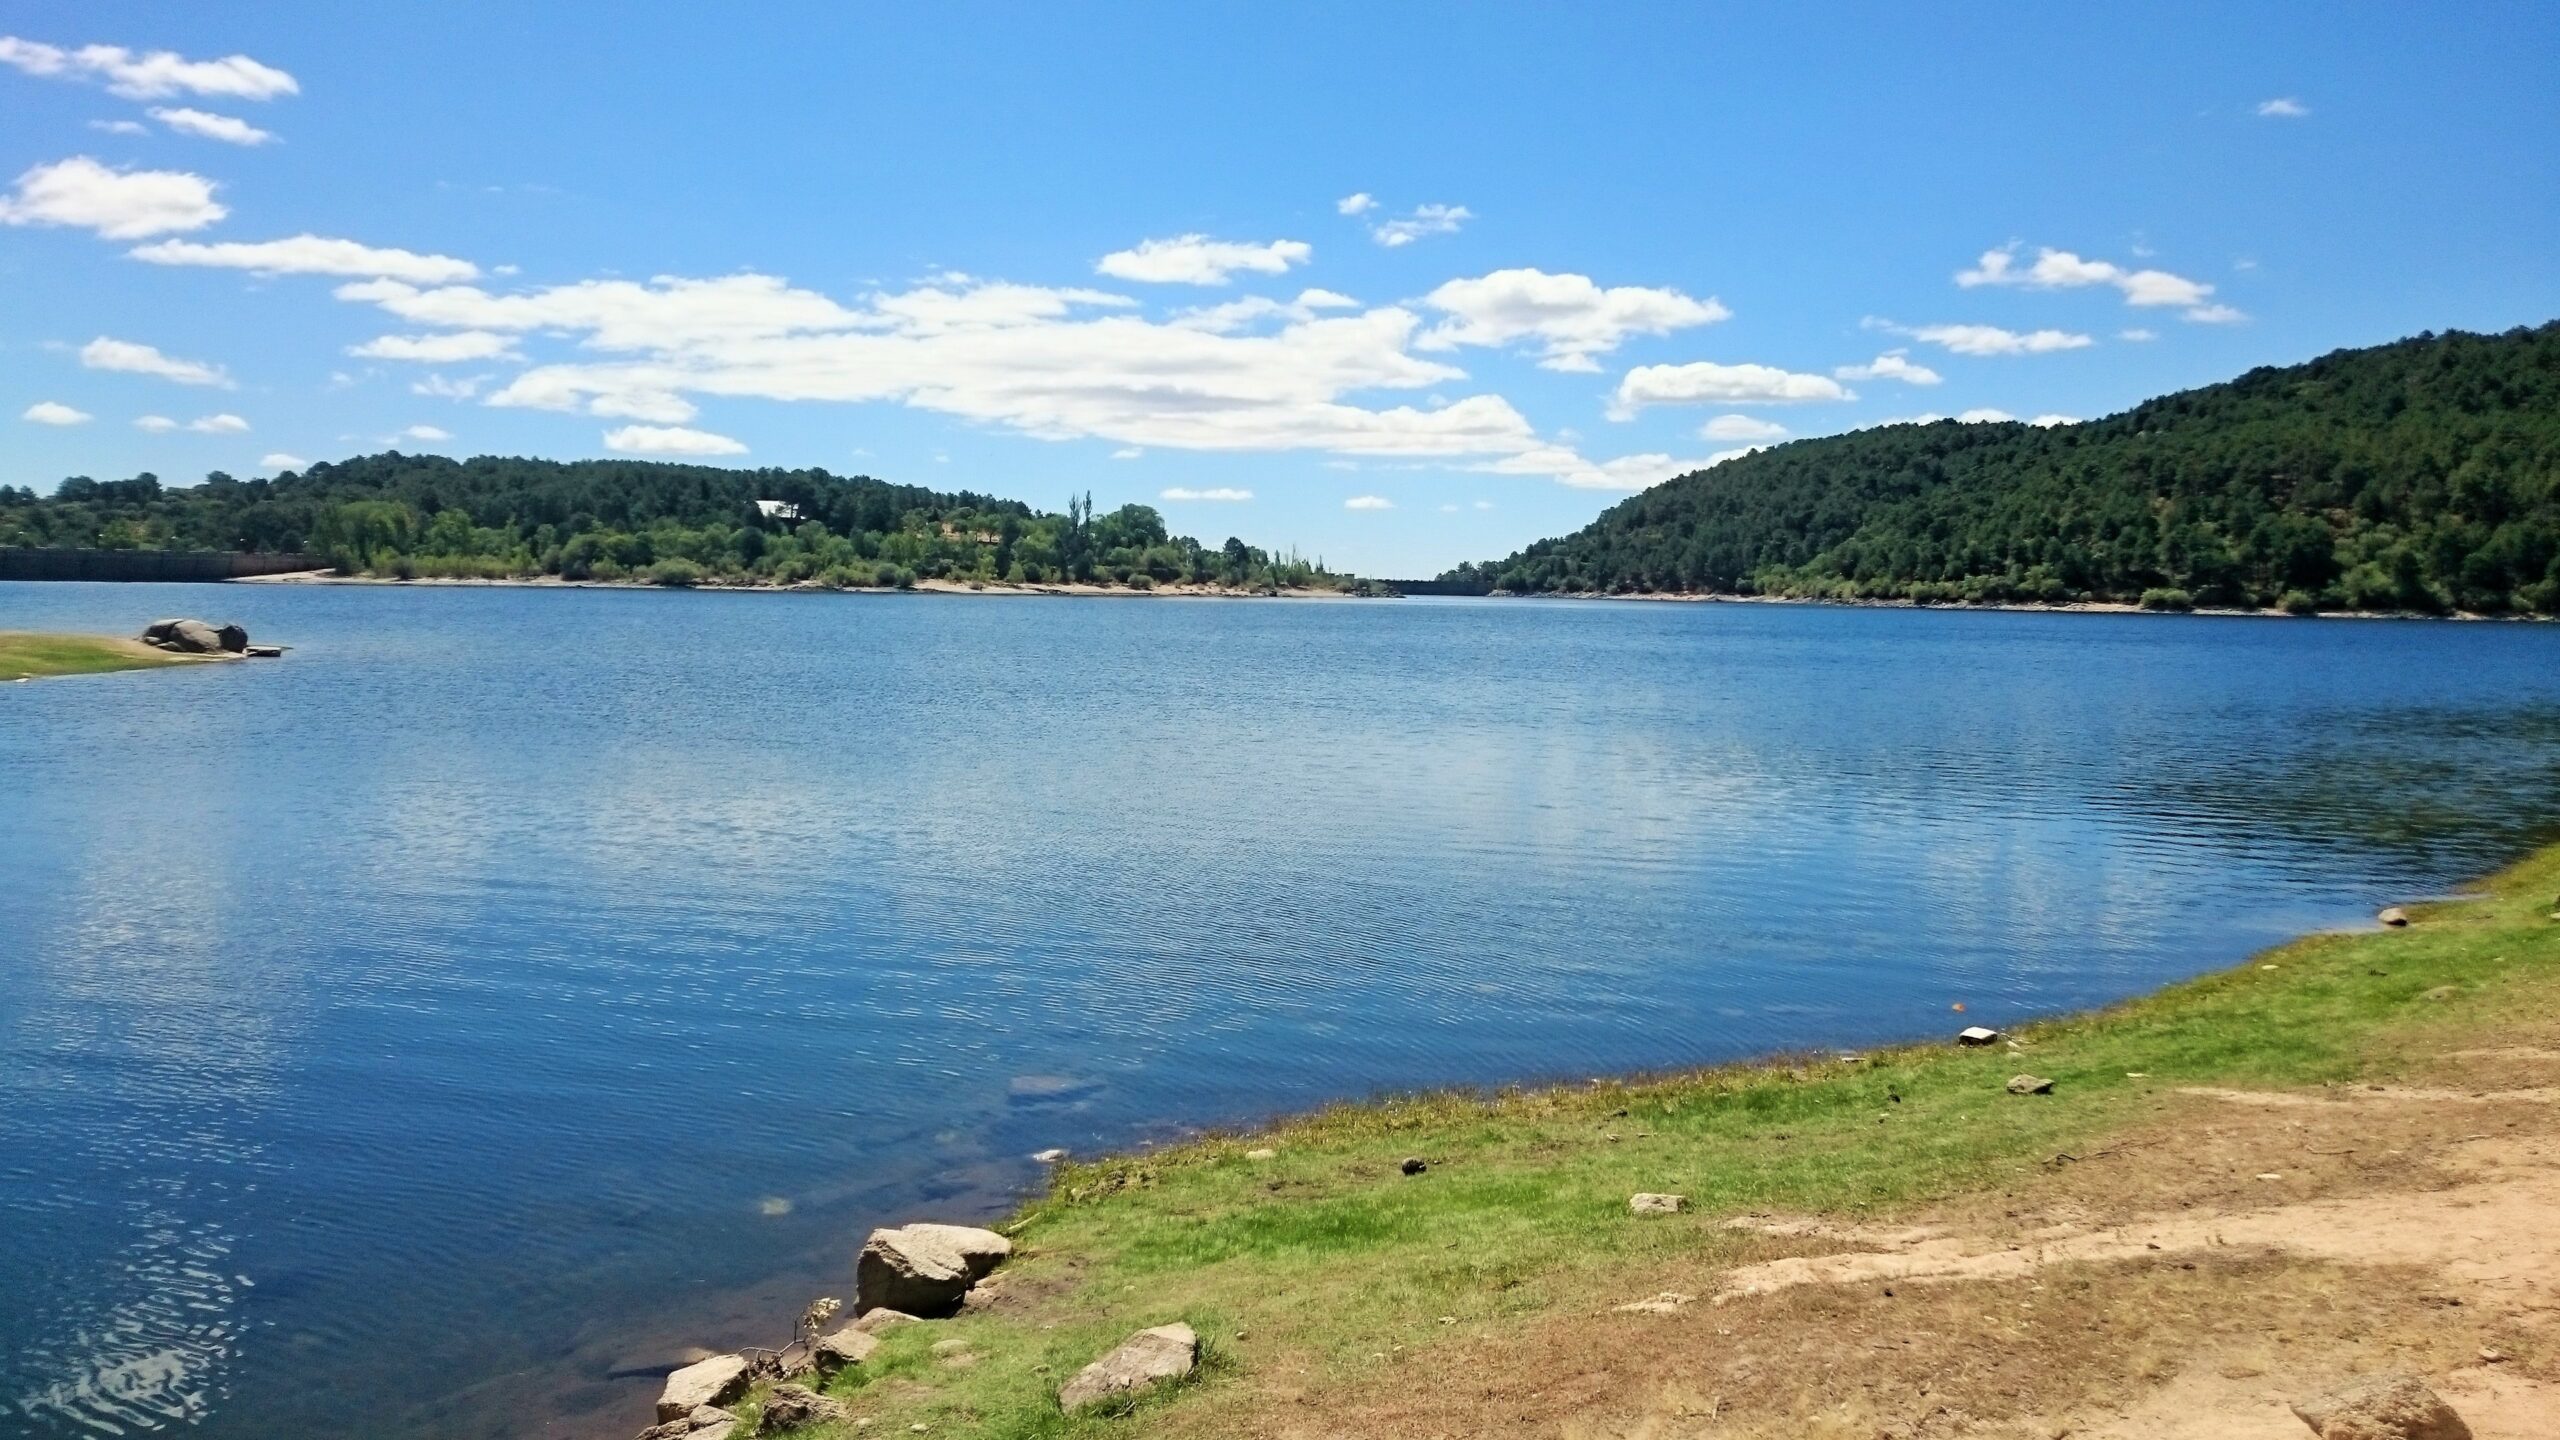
[(510, 986)]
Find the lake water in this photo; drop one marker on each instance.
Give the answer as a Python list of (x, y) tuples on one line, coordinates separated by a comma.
[(510, 986)]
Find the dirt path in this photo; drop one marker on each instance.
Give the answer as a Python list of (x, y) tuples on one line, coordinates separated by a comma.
[(2241, 1249)]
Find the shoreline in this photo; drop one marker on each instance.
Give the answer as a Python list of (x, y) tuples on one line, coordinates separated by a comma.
[(2018, 607), (1323, 1256), (929, 587), (27, 655), (1220, 592)]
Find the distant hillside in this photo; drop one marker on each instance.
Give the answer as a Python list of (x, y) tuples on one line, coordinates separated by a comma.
[(496, 517), (2420, 475)]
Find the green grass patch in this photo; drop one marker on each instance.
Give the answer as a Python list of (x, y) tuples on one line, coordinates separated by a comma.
[(27, 655), (1326, 1262)]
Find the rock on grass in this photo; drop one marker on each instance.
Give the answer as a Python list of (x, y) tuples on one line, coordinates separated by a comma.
[(1142, 1362), (715, 1381), (2381, 1407), (924, 1269)]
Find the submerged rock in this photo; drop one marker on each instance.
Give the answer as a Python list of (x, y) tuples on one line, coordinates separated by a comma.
[(715, 1381), (1145, 1360), (924, 1269), (2381, 1407)]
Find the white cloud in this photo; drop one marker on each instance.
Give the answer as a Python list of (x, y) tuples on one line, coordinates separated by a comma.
[(1199, 260), (279, 460), (1627, 472), (1703, 382), (659, 407), (1985, 416), (2283, 107), (1234, 315), (1055, 364), (1484, 505), (230, 130), (154, 424), (133, 359), (1357, 203), (118, 204), (444, 389), (2063, 270), (1572, 318), (1449, 509), (1891, 365), (1368, 502), (1032, 358), (1987, 339), (120, 127), (312, 255), (429, 433), (1129, 452), (1741, 427), (2047, 422), (152, 76), (444, 349), (50, 412), (1221, 495), (2137, 336), (1425, 220), (669, 440), (225, 424), (2214, 315)]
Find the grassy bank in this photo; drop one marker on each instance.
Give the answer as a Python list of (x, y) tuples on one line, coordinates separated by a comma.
[(27, 654), (1320, 1273)]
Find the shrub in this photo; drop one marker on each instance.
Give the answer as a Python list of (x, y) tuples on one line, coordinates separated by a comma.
[(676, 573), (2299, 602), (2167, 598)]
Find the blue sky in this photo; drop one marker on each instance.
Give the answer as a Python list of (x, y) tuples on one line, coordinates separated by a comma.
[(1426, 282)]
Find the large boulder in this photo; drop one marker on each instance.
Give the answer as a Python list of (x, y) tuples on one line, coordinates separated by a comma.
[(195, 637), (1143, 1361), (790, 1407), (923, 1269), (2381, 1407), (715, 1381)]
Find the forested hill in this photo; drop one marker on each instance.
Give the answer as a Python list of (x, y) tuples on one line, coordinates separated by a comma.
[(2420, 475), (493, 517)]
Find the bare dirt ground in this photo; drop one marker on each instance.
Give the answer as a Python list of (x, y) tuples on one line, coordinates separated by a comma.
[(2234, 1251)]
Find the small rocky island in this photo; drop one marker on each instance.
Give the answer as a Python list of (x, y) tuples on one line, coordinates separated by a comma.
[(32, 655), (198, 637)]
